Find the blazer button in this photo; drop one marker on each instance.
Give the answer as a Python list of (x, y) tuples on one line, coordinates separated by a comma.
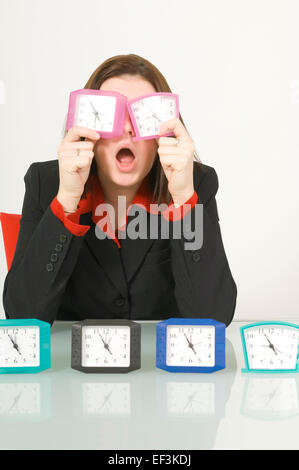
[(62, 238), (49, 267), (119, 302), (58, 247), (196, 257), (54, 257)]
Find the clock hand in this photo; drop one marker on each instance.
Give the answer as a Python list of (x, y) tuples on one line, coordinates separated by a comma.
[(94, 109), (272, 395), (102, 340), (190, 401), (15, 345), (153, 113), (106, 346), (271, 346), (15, 401), (190, 345), (106, 399), (188, 340), (96, 113)]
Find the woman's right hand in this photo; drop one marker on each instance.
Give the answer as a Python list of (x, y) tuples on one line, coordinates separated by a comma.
[(74, 158)]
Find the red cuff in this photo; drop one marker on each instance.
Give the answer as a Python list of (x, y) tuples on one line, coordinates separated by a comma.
[(71, 222), (173, 213)]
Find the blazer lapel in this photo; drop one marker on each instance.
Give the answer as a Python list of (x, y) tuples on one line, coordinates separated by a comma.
[(107, 254), (120, 264), (134, 250)]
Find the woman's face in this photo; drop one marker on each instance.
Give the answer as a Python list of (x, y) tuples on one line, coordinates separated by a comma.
[(125, 171)]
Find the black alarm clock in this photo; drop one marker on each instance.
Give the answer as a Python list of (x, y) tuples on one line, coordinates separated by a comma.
[(105, 346)]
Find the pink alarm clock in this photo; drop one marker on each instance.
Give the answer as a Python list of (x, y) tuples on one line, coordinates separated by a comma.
[(105, 111)]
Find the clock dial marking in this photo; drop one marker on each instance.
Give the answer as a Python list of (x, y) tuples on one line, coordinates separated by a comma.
[(106, 346), (95, 111), (190, 345), (150, 112), (19, 346), (271, 346)]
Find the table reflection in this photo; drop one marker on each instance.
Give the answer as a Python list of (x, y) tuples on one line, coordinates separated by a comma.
[(270, 397), (191, 398), (25, 398), (106, 398)]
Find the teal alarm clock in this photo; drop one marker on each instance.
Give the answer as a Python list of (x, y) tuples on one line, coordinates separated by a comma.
[(270, 347), (25, 346)]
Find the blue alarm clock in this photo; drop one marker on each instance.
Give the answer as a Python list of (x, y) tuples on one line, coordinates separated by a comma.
[(270, 347), (190, 345), (25, 346)]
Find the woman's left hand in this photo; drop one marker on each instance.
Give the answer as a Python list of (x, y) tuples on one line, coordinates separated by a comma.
[(177, 160)]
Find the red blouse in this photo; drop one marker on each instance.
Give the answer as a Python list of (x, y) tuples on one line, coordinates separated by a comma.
[(95, 196)]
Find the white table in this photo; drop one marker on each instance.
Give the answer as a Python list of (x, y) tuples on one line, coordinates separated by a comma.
[(149, 408)]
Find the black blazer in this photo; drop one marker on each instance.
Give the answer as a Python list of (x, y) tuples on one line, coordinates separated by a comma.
[(58, 275)]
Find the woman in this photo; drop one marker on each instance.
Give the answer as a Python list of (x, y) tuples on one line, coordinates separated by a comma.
[(65, 269)]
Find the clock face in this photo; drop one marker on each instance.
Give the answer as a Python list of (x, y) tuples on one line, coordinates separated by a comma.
[(150, 112), (19, 346), (190, 345), (95, 111), (271, 347), (105, 346)]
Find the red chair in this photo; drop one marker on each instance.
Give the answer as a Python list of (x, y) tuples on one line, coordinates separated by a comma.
[(10, 231)]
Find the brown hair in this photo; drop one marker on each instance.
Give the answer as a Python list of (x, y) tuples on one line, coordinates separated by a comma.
[(133, 64)]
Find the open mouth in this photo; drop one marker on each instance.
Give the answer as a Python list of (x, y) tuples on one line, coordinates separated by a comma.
[(125, 159)]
